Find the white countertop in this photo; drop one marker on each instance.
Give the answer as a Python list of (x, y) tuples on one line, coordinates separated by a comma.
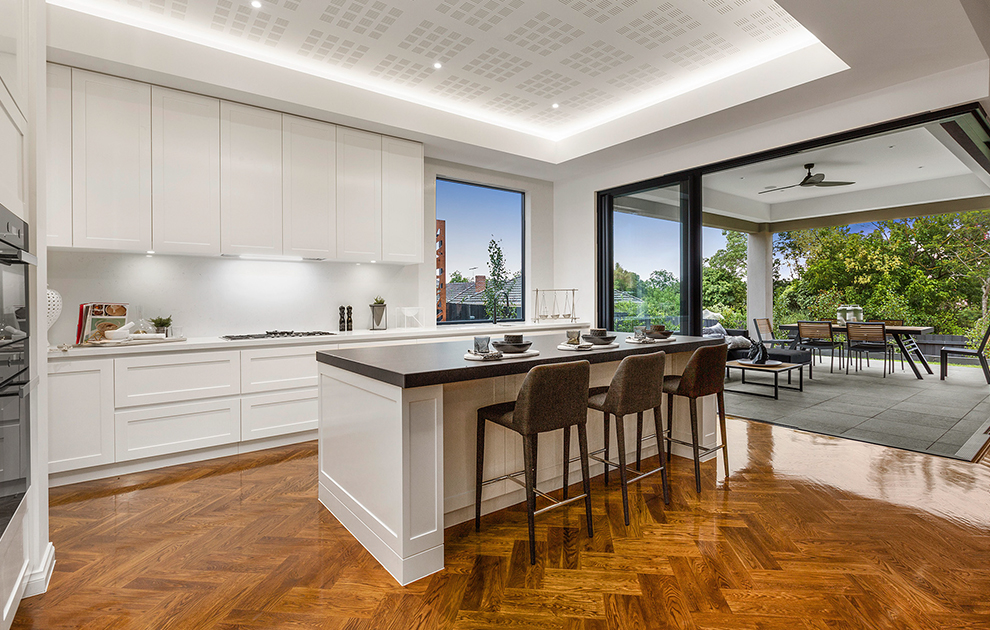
[(359, 336)]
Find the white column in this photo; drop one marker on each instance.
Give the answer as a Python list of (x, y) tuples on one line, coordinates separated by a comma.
[(759, 278)]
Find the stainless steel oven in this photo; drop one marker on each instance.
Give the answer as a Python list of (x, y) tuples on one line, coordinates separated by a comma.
[(14, 387)]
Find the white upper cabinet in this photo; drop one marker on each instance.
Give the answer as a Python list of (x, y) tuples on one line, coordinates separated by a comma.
[(359, 195), (250, 180), (185, 158), (309, 188), (13, 50), (402, 201), (111, 162), (59, 173), (13, 129)]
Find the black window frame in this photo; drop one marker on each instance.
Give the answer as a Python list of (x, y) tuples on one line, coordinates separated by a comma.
[(692, 210), (522, 249)]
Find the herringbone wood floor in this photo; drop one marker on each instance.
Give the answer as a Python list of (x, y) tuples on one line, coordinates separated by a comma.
[(808, 533)]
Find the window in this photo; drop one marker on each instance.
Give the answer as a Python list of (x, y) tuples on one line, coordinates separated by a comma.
[(646, 228), (474, 225)]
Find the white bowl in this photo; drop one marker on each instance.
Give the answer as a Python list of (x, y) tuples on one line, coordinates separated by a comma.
[(117, 335)]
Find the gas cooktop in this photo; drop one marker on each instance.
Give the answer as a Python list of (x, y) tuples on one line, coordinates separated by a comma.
[(273, 334)]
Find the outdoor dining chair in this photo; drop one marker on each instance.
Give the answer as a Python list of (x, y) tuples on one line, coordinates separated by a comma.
[(966, 352), (764, 333), (819, 336), (864, 338)]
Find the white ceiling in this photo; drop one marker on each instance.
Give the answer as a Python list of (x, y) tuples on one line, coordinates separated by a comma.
[(503, 61), (894, 159)]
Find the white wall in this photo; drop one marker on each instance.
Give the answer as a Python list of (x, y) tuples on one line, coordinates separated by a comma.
[(215, 296)]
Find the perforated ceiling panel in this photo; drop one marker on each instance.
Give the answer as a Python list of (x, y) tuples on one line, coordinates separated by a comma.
[(506, 61)]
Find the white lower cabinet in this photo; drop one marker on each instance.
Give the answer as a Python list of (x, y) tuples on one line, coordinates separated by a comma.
[(174, 378), (279, 413), (167, 429), (80, 412)]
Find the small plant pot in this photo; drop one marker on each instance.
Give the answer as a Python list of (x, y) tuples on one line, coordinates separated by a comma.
[(379, 317)]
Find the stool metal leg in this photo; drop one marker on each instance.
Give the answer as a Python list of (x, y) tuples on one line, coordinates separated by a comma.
[(585, 474), (694, 443), (639, 441), (529, 463), (658, 429), (720, 397), (670, 423), (567, 456), (480, 474), (620, 437), (608, 431)]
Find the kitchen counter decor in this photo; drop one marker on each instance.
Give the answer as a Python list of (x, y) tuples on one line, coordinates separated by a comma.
[(379, 314)]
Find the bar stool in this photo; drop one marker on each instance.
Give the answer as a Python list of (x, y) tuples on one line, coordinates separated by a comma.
[(551, 397), (703, 375), (637, 385)]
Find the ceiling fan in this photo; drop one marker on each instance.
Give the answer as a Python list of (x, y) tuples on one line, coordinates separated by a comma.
[(818, 179)]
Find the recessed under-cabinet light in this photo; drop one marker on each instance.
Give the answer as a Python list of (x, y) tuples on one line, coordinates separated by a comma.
[(256, 4), (438, 65), (555, 105)]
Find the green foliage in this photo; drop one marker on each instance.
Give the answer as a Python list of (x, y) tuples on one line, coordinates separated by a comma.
[(161, 322), (379, 300), (497, 284), (457, 277), (974, 334)]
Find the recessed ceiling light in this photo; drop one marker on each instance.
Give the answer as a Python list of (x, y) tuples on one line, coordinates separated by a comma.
[(256, 4), (555, 105), (438, 65), (151, 251)]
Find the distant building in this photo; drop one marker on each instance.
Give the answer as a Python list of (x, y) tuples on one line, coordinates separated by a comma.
[(466, 300)]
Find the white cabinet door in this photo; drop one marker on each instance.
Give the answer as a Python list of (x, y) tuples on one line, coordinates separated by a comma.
[(59, 172), (165, 429), (111, 162), (266, 370), (154, 380), (13, 131), (185, 171), (402, 201), (279, 413), (250, 180), (359, 195), (80, 414), (309, 188)]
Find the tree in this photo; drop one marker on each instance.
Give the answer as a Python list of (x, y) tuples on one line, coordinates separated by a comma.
[(457, 277), (723, 275), (497, 284), (624, 280)]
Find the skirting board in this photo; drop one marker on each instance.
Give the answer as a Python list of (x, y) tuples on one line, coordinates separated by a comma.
[(162, 461), (37, 582), (404, 570)]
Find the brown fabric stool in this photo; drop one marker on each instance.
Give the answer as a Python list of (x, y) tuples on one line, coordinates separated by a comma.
[(637, 385), (551, 397), (703, 375)]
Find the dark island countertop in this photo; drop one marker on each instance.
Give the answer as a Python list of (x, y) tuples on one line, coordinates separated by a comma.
[(437, 363)]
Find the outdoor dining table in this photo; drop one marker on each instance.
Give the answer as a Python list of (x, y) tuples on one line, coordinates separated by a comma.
[(903, 337)]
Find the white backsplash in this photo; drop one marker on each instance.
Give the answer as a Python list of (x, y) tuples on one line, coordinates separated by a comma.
[(215, 296)]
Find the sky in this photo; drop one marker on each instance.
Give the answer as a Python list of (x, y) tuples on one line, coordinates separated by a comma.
[(474, 215), (647, 244)]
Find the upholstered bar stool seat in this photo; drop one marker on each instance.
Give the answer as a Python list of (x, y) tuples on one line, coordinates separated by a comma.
[(551, 397), (703, 375), (637, 386)]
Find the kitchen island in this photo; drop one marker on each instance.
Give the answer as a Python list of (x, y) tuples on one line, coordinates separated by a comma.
[(397, 438)]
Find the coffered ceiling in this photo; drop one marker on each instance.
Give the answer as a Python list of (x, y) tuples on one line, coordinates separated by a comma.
[(550, 68)]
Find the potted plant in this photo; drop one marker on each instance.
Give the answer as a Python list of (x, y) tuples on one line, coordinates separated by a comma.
[(162, 324), (379, 319)]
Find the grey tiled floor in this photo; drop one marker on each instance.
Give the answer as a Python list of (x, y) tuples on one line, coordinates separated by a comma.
[(947, 418)]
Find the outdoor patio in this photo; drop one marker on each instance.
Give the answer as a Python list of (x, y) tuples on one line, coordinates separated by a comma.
[(949, 418)]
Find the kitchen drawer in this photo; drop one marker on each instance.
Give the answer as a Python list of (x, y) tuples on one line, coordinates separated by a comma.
[(176, 378), (280, 413), (267, 370), (165, 429)]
